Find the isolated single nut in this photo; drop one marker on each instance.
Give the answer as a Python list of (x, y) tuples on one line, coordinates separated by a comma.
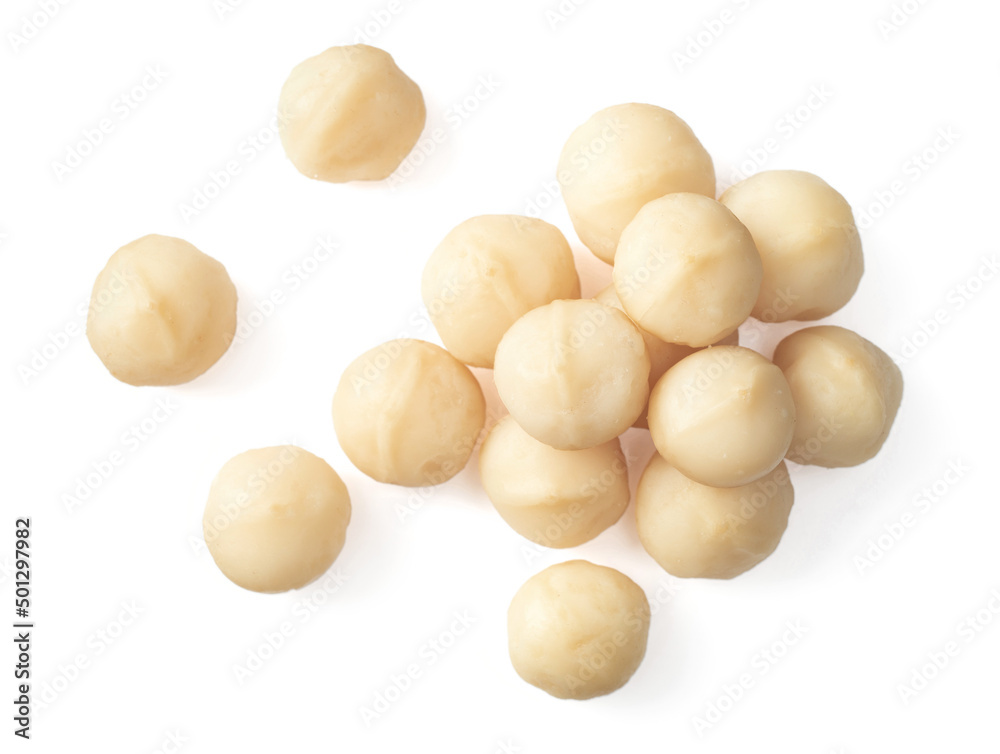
[(620, 159), (846, 390), (555, 498), (662, 355), (573, 374), (578, 630), (687, 270), (161, 312), (722, 416), (408, 413), (349, 114), (489, 271), (807, 239), (696, 531), (276, 518)]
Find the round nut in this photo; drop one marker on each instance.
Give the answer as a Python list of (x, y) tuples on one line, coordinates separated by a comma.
[(276, 518), (349, 114), (488, 272), (573, 374), (555, 498), (696, 531), (846, 391), (620, 159), (161, 312), (408, 413), (687, 270), (808, 243), (578, 630), (723, 416)]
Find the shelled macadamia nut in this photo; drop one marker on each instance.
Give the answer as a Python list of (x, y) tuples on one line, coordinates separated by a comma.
[(349, 114), (161, 312), (573, 374), (489, 271), (687, 270), (696, 531), (578, 630), (408, 413), (555, 498), (722, 416), (807, 239), (620, 159), (662, 355), (847, 392), (276, 518)]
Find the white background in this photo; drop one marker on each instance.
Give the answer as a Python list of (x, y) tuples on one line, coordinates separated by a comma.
[(170, 672)]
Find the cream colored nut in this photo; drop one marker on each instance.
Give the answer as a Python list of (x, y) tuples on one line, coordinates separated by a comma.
[(489, 271), (555, 498), (662, 355), (846, 390), (161, 312), (349, 114), (276, 518), (807, 239), (696, 531), (578, 630), (687, 270), (573, 374), (622, 158), (408, 413), (723, 416)]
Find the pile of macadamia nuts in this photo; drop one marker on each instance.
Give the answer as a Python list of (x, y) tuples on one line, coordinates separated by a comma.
[(657, 349)]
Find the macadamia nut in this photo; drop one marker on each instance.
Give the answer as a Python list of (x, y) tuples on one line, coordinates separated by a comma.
[(622, 158), (276, 518), (349, 114), (408, 413), (573, 374), (807, 239), (662, 355), (696, 531), (489, 271), (555, 498), (687, 270), (161, 312), (846, 390), (722, 416), (578, 630)]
